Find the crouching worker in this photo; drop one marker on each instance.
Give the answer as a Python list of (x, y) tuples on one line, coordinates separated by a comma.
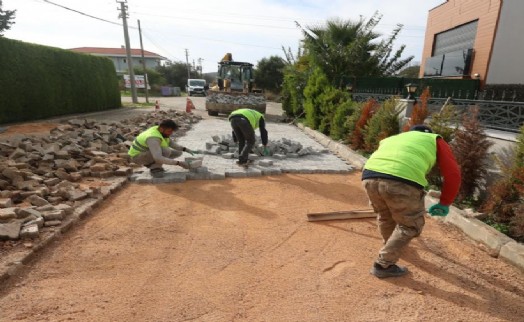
[(244, 122), (394, 178), (154, 147)]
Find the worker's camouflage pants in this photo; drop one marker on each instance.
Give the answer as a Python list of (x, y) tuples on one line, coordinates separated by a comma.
[(145, 158), (400, 209)]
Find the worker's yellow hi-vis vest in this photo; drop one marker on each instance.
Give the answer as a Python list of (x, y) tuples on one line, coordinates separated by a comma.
[(252, 116), (409, 155), (140, 145)]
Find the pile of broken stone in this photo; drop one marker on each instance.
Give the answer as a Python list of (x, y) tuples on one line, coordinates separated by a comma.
[(280, 149), (235, 98), (42, 177)]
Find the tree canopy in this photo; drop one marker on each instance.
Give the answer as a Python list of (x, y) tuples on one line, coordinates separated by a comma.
[(269, 73), (6, 19), (343, 49)]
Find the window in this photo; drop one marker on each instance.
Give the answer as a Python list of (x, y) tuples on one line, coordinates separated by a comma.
[(458, 38)]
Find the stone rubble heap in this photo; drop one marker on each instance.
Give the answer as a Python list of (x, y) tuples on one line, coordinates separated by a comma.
[(41, 177), (235, 99), (281, 149)]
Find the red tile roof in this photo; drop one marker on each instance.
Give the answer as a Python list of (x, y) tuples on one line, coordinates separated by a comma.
[(115, 52)]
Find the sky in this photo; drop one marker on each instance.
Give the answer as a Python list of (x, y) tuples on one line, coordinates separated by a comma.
[(250, 30)]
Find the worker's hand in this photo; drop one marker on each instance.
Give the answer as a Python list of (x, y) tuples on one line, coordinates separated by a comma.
[(266, 151), (184, 164), (438, 210)]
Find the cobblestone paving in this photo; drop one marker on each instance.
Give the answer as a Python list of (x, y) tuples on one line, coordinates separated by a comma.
[(219, 167)]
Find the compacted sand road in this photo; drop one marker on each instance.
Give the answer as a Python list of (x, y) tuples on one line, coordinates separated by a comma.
[(242, 250)]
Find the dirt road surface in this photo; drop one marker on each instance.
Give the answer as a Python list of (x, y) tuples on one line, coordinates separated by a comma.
[(242, 250)]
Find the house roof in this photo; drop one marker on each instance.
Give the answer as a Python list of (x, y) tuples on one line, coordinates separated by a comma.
[(116, 52)]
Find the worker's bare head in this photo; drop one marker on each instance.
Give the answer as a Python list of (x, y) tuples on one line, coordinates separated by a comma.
[(167, 127)]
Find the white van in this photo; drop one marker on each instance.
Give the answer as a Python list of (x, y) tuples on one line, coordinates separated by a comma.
[(196, 87)]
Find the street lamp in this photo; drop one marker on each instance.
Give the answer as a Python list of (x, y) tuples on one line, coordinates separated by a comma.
[(412, 88)]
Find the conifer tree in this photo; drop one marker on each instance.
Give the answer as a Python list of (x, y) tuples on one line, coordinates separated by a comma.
[(470, 147)]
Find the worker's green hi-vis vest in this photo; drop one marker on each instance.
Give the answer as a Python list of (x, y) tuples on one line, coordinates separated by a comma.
[(140, 145), (409, 155), (252, 116)]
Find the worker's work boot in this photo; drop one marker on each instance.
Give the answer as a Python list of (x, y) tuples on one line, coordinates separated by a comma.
[(157, 172), (244, 163), (390, 271)]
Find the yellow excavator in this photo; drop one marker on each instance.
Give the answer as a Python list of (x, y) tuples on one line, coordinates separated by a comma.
[(235, 88)]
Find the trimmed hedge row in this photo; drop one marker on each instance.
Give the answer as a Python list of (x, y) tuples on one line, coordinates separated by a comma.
[(38, 82)]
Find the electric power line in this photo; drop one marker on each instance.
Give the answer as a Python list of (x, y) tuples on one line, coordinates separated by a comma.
[(82, 13)]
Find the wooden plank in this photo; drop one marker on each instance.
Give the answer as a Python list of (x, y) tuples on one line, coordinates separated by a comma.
[(339, 215)]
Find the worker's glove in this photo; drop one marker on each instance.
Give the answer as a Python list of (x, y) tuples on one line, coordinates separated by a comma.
[(438, 210), (266, 151)]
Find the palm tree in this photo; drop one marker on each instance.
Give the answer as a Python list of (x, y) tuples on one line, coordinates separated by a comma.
[(345, 49)]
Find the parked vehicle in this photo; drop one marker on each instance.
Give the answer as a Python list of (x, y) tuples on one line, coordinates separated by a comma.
[(196, 87)]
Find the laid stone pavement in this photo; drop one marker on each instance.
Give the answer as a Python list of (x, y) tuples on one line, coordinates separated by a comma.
[(218, 167)]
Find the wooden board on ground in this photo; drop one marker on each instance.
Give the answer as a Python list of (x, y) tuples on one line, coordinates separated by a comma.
[(338, 215)]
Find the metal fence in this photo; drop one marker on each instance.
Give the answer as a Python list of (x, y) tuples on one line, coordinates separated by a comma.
[(501, 115)]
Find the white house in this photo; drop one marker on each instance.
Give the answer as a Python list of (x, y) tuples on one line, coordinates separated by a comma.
[(119, 57)]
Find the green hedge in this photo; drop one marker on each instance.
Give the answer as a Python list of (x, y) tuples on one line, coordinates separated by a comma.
[(38, 82)]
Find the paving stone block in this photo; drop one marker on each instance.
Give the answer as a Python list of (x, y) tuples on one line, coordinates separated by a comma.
[(228, 155), (6, 202), (67, 209), (265, 163), (279, 156), (28, 212), (53, 215), (29, 231), (6, 214), (75, 176), (513, 252), (52, 223), (17, 154), (38, 221), (37, 201), (76, 195), (45, 208), (10, 230), (99, 167), (62, 175)]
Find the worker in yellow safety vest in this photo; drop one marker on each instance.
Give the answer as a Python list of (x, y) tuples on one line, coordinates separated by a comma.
[(154, 147), (244, 122)]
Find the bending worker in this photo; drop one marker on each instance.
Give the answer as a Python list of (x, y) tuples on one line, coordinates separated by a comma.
[(244, 122), (394, 178), (154, 147)]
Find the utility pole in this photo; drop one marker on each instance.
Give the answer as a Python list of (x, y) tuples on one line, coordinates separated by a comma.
[(188, 66), (200, 67), (123, 13), (143, 62)]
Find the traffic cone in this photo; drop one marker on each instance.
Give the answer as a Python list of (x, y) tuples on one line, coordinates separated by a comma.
[(157, 105), (189, 105)]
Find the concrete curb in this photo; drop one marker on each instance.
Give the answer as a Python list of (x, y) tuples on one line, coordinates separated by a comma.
[(492, 241), (46, 238)]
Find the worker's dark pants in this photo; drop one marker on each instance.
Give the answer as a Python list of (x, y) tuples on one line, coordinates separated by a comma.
[(245, 136)]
